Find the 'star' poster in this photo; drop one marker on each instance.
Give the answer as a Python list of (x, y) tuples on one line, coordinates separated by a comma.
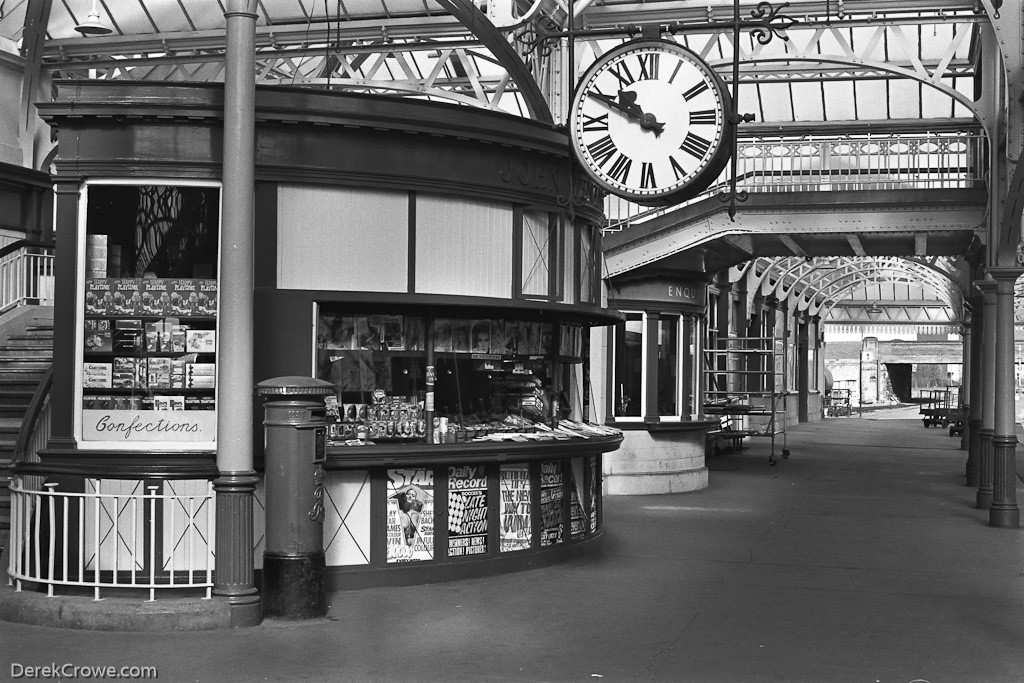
[(410, 515), (467, 510), (551, 502), (516, 527)]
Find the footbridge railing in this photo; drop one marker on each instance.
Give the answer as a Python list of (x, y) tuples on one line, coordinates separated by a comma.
[(838, 162)]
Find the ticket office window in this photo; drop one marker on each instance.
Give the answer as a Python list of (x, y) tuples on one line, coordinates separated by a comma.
[(668, 366), (490, 375), (665, 367), (629, 365)]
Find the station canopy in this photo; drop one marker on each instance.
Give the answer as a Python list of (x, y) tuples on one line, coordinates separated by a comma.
[(863, 61), (869, 67)]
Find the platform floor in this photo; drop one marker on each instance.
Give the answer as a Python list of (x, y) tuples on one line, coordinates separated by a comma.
[(861, 558)]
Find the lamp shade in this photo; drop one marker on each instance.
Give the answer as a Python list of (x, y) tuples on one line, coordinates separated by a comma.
[(92, 26)]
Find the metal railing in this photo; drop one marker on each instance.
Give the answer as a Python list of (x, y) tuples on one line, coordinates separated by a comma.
[(26, 275), (35, 429), (838, 162), (138, 540)]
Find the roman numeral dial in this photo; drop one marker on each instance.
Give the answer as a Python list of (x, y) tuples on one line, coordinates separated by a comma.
[(648, 122)]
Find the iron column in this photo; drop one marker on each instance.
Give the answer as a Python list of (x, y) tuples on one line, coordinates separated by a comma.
[(1004, 511), (988, 402), (976, 377), (235, 578)]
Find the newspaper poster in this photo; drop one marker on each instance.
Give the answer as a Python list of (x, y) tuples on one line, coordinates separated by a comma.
[(410, 526), (551, 487), (467, 510), (577, 516), (516, 525)]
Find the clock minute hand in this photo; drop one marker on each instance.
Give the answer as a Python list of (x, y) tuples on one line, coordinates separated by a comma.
[(630, 110), (628, 106)]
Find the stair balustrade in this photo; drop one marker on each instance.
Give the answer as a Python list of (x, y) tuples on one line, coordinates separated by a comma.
[(26, 275)]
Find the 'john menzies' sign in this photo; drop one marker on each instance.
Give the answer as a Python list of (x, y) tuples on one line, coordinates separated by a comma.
[(657, 293), (552, 180), (149, 426)]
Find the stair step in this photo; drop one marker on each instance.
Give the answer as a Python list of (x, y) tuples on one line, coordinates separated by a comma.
[(18, 365), (17, 342), (19, 381), (20, 378), (31, 338), (21, 353), (16, 392)]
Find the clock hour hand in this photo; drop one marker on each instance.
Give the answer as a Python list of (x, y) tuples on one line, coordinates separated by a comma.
[(628, 106)]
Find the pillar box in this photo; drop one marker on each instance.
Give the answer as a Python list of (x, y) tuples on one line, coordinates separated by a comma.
[(295, 451)]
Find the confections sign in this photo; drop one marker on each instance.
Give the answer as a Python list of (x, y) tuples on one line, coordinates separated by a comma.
[(147, 426)]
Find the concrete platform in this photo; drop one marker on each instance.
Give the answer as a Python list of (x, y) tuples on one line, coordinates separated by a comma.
[(861, 558), (112, 613)]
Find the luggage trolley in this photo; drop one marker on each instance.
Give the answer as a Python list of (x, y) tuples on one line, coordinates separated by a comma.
[(938, 408), (837, 402)]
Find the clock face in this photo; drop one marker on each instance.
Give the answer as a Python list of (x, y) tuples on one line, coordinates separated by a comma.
[(649, 122)]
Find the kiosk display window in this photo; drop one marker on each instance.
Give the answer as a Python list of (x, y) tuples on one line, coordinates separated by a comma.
[(149, 316), (422, 379)]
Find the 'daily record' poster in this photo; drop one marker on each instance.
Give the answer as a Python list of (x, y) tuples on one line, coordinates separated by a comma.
[(467, 510), (551, 488)]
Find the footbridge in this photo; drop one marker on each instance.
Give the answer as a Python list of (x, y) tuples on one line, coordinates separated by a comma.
[(907, 195)]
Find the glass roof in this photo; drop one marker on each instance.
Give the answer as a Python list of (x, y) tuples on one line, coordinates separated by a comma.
[(818, 284), (911, 62), (897, 64)]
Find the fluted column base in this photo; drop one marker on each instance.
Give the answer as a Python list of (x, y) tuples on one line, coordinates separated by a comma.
[(973, 453), (235, 576), (1004, 512), (985, 493)]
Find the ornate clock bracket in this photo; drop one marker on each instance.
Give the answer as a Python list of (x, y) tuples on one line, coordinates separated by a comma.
[(765, 23)]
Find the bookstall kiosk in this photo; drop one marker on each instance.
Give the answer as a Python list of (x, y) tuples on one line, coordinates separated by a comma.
[(437, 264)]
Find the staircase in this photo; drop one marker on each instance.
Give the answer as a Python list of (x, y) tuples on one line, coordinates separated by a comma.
[(24, 359)]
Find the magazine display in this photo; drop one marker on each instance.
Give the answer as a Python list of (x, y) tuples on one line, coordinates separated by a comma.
[(149, 360)]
